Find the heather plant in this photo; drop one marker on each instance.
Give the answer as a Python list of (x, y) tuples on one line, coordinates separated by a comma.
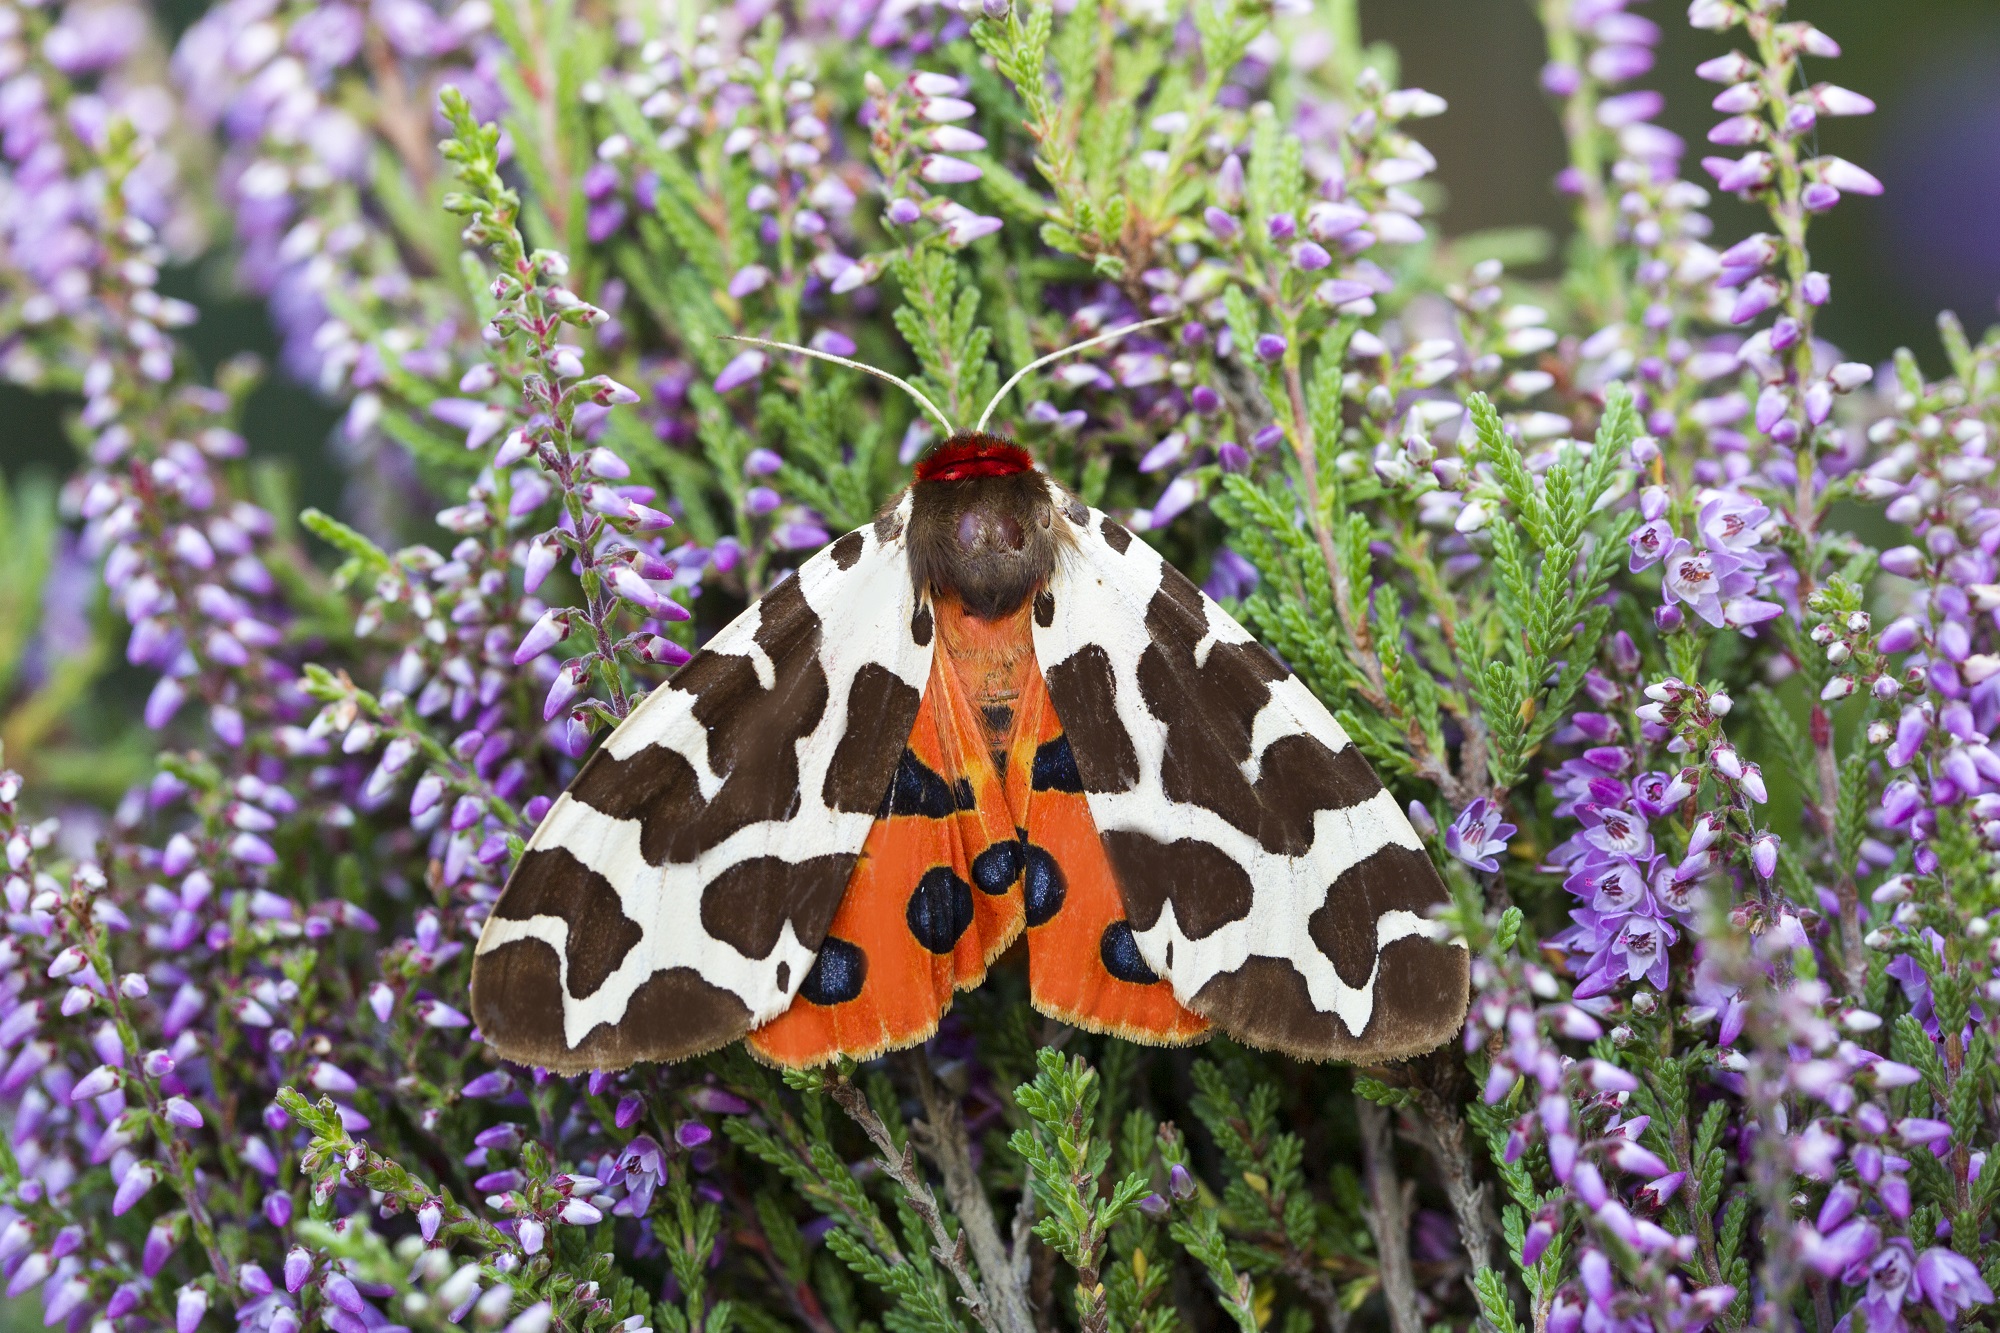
[(1579, 562)]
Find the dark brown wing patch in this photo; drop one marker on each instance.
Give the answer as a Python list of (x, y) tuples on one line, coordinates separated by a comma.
[(673, 1015), (1207, 745), (747, 905), (555, 883), (1204, 883), (1085, 691), (753, 736), (1419, 1004), (1393, 879), (881, 708)]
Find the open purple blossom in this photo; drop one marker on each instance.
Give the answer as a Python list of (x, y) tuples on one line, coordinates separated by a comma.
[(1478, 835)]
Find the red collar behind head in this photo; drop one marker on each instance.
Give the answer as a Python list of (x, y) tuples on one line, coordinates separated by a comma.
[(971, 455)]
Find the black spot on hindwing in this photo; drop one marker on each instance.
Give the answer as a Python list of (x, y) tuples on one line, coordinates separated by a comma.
[(916, 789), (1120, 953), (1045, 888), (1055, 767), (921, 625), (995, 869), (1045, 608), (837, 974), (940, 909)]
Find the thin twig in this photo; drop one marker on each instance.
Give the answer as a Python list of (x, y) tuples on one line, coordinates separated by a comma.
[(901, 1166), (1388, 1217), (1319, 1288), (942, 1136), (1434, 1081)]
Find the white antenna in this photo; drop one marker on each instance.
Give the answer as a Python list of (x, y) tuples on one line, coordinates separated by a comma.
[(1041, 361), (902, 384)]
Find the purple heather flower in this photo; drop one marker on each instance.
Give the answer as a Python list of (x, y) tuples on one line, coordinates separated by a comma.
[(1310, 256), (1764, 854), (190, 1304), (741, 370), (1478, 835), (939, 169), (1730, 522), (1833, 1254), (1695, 579), (717, 1102), (138, 1180), (1649, 543), (1950, 1282)]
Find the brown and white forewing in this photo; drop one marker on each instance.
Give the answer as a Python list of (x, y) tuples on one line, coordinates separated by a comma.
[(1266, 871), (676, 896)]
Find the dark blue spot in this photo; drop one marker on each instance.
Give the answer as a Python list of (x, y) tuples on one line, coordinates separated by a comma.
[(836, 974), (940, 909), (916, 790), (1120, 953), (1046, 886), (995, 869), (1055, 767)]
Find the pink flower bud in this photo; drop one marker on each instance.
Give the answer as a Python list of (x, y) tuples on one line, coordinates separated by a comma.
[(939, 169), (138, 1180), (569, 683), (189, 1307), (551, 629)]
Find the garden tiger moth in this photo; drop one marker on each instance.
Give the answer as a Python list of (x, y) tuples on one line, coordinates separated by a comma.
[(992, 712)]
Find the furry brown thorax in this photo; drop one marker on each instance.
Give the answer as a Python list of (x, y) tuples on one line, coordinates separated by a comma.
[(983, 525)]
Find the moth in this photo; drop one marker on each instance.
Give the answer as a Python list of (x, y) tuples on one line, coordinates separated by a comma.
[(994, 712)]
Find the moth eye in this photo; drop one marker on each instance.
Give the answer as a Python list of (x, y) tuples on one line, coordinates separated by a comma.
[(1007, 532), (968, 530)]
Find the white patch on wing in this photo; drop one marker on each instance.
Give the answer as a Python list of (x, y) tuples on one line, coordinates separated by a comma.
[(1286, 891), (1101, 599), (864, 614)]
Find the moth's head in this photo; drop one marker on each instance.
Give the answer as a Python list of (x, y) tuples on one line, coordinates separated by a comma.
[(983, 524)]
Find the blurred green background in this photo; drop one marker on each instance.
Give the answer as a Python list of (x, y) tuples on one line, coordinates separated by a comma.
[(1931, 242)]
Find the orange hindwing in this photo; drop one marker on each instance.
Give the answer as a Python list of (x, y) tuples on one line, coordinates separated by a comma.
[(985, 831), (1083, 964), (934, 897)]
